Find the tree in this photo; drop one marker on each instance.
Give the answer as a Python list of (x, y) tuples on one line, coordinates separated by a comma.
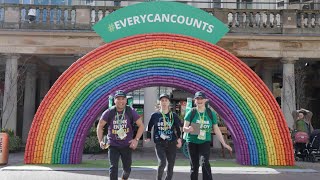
[(20, 83), (300, 78)]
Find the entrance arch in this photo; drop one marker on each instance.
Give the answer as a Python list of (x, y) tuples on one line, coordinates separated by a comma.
[(254, 119)]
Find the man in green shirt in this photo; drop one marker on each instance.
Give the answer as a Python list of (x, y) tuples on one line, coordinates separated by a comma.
[(198, 137)]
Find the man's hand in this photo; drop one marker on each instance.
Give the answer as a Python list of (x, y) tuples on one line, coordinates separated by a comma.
[(104, 145), (100, 126), (133, 144), (179, 143), (147, 140)]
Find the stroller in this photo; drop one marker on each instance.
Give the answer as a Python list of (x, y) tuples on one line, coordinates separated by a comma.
[(309, 151), (312, 150)]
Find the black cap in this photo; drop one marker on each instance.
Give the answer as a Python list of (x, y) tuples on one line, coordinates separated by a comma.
[(120, 93), (200, 94), (164, 95)]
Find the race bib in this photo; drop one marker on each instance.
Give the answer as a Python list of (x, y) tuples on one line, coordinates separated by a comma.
[(202, 135), (164, 137), (121, 133)]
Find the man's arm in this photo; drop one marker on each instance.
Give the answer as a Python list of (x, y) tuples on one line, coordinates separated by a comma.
[(140, 129), (100, 126), (134, 142), (177, 125), (149, 128)]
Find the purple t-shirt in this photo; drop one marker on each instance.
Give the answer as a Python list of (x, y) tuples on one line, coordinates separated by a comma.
[(115, 125)]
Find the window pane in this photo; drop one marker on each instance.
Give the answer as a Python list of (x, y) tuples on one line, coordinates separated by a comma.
[(12, 1)]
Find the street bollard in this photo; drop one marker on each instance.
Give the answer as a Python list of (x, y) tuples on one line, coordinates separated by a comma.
[(4, 148)]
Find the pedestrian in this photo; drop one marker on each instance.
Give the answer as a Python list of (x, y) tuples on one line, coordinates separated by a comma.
[(198, 125), (302, 119), (119, 120), (32, 14), (166, 136), (302, 129)]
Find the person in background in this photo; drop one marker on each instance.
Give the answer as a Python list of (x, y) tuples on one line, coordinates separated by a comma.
[(32, 14), (302, 119)]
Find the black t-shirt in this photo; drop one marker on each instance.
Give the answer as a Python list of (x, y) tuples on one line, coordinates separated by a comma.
[(167, 130)]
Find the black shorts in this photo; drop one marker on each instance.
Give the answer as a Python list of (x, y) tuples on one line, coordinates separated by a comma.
[(32, 18)]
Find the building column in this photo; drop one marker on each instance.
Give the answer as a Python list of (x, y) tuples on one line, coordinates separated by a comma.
[(44, 84), (267, 74), (2, 61), (29, 99), (288, 96), (150, 99), (9, 108)]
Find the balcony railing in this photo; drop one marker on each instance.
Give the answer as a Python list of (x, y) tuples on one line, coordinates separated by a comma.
[(257, 21), (238, 20)]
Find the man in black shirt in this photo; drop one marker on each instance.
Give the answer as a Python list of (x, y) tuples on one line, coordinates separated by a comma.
[(166, 136)]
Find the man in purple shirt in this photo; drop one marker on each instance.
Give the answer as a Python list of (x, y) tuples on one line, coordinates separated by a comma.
[(119, 120)]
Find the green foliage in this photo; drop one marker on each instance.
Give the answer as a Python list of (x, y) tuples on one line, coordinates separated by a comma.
[(93, 131), (14, 141), (91, 145), (10, 132), (220, 122)]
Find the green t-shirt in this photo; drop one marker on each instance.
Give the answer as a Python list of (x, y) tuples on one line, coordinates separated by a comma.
[(302, 126), (207, 126)]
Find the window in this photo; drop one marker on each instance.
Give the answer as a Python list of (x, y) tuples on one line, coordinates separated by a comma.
[(12, 1), (244, 4), (294, 1), (117, 3), (41, 2), (216, 3), (90, 2), (280, 4), (50, 2)]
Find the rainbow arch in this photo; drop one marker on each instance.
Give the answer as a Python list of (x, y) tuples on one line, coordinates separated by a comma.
[(255, 121)]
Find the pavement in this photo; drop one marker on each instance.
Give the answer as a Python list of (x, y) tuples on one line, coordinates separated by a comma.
[(14, 170)]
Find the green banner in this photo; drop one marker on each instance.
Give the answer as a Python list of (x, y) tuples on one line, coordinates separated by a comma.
[(161, 17)]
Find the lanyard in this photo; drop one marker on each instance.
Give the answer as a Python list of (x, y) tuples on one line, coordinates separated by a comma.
[(170, 119), (119, 121), (201, 118)]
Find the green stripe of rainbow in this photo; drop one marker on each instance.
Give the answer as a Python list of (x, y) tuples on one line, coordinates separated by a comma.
[(257, 126)]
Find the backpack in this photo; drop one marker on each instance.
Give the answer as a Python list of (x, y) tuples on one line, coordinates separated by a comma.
[(194, 111), (112, 114)]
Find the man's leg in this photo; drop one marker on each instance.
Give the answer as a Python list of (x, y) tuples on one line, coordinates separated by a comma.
[(194, 160), (171, 158), (126, 158), (204, 151), (161, 155), (114, 160)]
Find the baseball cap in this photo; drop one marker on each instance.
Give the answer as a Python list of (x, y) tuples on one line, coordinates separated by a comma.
[(164, 95), (120, 93), (200, 94)]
